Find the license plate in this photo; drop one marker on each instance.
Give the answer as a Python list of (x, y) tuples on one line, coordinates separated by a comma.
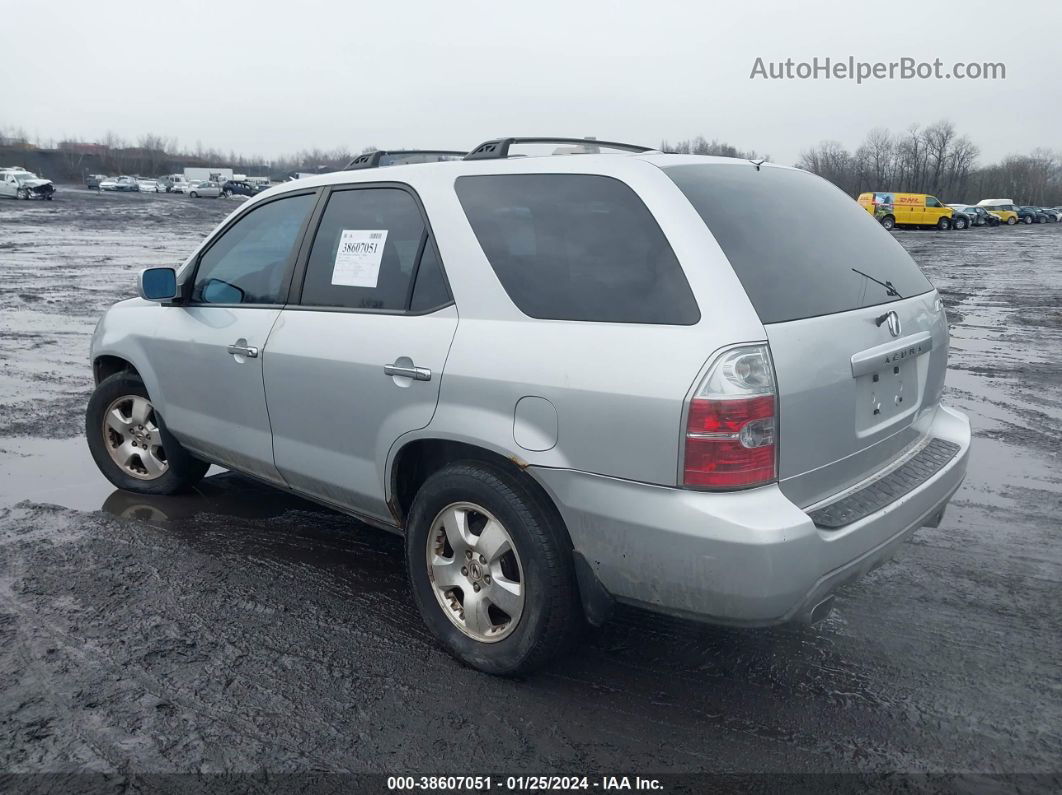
[(887, 394)]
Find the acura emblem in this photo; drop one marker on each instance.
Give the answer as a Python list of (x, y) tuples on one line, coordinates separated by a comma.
[(894, 323)]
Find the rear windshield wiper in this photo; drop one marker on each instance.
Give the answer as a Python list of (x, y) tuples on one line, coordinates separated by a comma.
[(889, 289)]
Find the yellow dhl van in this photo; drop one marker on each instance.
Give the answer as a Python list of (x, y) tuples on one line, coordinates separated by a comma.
[(915, 209), (1004, 208)]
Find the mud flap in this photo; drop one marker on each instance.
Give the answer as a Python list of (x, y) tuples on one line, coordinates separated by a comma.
[(597, 602)]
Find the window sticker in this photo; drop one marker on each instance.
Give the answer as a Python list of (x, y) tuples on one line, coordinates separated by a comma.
[(358, 257)]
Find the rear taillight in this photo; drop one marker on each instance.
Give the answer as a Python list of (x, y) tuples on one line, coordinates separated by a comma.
[(731, 423)]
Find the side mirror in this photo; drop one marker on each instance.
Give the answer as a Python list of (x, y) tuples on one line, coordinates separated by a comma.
[(157, 284)]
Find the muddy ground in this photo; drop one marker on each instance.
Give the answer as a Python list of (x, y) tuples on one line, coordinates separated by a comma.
[(242, 629)]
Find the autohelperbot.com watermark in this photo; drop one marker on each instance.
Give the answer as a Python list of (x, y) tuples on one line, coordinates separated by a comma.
[(851, 68)]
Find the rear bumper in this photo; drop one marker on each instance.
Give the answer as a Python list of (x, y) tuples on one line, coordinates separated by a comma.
[(747, 558)]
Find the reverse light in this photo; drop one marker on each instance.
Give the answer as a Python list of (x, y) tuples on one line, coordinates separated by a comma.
[(731, 423)]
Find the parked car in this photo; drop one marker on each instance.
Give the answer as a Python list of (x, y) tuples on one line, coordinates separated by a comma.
[(1053, 215), (92, 181), (18, 183), (656, 389), (173, 183), (205, 189), (126, 184), (148, 186), (235, 187), (906, 209), (1004, 209), (960, 219), (1031, 215), (984, 218)]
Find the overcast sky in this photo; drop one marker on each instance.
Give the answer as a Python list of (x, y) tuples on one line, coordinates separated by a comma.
[(275, 76)]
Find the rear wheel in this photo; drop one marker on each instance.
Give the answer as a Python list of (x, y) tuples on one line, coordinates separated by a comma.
[(194, 195), (129, 441), (888, 222), (1011, 221), (228, 194), (491, 569)]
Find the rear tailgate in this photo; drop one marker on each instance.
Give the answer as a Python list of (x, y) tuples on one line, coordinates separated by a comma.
[(857, 333), (853, 396)]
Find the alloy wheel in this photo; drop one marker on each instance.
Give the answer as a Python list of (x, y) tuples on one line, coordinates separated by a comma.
[(475, 572), (132, 438)]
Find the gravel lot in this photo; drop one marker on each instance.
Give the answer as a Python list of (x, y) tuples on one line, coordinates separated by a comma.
[(242, 629)]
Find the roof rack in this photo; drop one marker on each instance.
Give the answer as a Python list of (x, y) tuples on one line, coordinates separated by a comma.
[(499, 147), (372, 159)]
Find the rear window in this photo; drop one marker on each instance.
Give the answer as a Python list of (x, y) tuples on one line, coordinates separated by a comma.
[(799, 245), (577, 247)]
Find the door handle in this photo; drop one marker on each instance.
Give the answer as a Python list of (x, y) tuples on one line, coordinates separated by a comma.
[(244, 350), (416, 373)]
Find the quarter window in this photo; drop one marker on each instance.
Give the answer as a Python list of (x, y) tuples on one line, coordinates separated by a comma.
[(366, 251), (577, 247), (250, 262)]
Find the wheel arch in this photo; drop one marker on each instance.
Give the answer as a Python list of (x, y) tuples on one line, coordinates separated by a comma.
[(412, 463), (106, 365)]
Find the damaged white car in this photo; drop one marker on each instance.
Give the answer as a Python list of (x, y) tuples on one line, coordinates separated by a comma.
[(21, 184)]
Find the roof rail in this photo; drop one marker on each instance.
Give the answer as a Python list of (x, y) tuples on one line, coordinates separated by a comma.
[(372, 159), (499, 147)]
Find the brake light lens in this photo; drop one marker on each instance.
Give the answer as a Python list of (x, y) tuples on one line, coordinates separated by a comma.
[(731, 423)]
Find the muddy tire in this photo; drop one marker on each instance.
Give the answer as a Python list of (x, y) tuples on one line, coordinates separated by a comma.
[(888, 222), (129, 441), (490, 565)]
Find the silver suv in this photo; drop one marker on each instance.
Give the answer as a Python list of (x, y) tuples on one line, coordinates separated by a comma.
[(568, 381)]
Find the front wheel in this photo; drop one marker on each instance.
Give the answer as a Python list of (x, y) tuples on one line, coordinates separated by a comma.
[(960, 224), (129, 441), (943, 224), (194, 195), (1028, 219), (491, 568), (21, 194)]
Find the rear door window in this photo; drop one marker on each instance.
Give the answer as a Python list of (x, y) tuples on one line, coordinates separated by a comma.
[(577, 247), (366, 254), (800, 246)]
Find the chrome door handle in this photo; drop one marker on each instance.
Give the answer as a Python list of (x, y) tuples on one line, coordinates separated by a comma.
[(416, 373), (244, 350)]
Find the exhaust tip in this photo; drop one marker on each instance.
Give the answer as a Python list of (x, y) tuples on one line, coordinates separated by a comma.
[(821, 610)]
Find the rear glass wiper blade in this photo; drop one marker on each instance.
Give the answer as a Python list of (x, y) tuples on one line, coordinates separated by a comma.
[(889, 289)]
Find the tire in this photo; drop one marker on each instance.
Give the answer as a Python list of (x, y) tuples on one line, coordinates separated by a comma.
[(228, 194), (165, 467), (943, 224), (960, 224), (20, 193), (194, 195), (1011, 221), (548, 616), (1027, 219), (888, 222)]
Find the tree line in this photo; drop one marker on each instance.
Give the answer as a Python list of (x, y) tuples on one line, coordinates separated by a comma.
[(933, 159), (937, 160)]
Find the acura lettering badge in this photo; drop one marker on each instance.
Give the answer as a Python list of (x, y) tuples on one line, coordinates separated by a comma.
[(894, 323)]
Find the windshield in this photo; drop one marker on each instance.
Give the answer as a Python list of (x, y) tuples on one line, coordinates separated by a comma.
[(800, 246), (22, 176)]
